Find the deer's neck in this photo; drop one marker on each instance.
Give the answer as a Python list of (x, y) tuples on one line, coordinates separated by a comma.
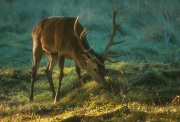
[(79, 60)]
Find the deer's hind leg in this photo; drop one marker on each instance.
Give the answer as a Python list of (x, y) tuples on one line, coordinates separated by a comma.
[(37, 54), (51, 65)]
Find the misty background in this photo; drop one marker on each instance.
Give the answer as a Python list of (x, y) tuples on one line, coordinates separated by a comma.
[(152, 27)]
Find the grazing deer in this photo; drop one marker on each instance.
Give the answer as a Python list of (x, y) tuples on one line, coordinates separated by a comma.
[(64, 37)]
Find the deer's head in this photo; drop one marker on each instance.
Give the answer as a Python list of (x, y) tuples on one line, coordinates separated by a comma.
[(93, 63), (90, 61)]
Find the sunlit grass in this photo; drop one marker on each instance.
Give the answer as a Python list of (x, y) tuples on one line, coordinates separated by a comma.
[(119, 99)]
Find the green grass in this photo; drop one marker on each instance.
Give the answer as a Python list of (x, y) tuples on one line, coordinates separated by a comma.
[(120, 100)]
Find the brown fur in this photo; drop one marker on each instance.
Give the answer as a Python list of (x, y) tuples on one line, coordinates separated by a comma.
[(55, 37)]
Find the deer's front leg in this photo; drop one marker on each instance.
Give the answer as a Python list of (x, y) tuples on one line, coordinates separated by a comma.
[(61, 68), (78, 72)]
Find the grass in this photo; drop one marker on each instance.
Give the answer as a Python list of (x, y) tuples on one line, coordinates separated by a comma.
[(120, 100), (142, 86)]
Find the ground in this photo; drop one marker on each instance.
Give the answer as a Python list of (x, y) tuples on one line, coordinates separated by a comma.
[(133, 92)]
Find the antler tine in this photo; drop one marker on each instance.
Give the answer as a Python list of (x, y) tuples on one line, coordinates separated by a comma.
[(111, 42), (83, 34), (115, 25), (89, 49), (75, 29), (114, 15), (119, 24), (115, 56), (114, 43)]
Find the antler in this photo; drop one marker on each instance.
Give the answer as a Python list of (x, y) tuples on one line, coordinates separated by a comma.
[(111, 42), (80, 39)]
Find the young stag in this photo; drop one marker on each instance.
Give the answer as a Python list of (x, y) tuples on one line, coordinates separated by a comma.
[(64, 37)]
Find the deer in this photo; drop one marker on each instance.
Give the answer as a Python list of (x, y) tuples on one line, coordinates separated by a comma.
[(65, 38)]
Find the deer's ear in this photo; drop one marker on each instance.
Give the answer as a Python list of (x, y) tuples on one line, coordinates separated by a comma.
[(85, 57)]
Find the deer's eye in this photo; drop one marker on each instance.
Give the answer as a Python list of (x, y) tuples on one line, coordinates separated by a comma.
[(95, 69)]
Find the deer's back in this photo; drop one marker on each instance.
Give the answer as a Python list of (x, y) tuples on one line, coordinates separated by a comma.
[(56, 34)]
